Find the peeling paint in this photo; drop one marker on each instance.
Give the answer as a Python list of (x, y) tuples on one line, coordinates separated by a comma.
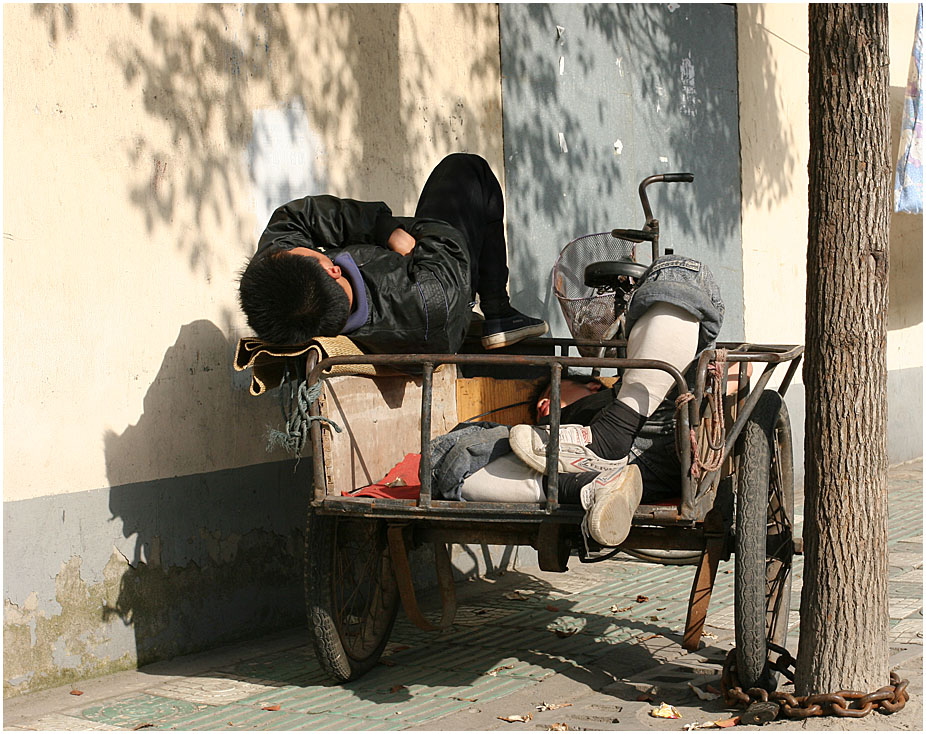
[(143, 612), (690, 100)]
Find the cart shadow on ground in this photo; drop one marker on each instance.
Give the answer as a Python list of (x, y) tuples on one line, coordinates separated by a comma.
[(511, 633)]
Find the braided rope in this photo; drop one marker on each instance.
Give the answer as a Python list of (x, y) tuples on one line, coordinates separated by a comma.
[(714, 427), (294, 405)]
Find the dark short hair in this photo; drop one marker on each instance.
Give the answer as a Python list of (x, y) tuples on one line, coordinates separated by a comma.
[(541, 387), (290, 299)]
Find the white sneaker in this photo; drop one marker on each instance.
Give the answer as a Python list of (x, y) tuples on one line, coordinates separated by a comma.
[(610, 501), (530, 445)]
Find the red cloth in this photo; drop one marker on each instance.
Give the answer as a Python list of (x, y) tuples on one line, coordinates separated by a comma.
[(407, 470)]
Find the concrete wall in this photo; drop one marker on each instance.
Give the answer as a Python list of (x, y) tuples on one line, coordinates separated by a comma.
[(144, 149), (773, 84)]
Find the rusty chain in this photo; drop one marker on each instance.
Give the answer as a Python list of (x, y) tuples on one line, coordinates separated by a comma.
[(854, 704)]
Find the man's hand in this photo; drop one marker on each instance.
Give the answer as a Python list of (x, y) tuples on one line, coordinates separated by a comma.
[(401, 242)]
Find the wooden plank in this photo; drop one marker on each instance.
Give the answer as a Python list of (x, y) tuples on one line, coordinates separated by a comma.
[(381, 422), (476, 395)]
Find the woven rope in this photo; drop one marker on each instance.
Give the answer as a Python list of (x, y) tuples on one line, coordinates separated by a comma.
[(294, 405), (714, 428)]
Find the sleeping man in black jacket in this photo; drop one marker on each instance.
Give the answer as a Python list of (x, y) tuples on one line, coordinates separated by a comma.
[(326, 266)]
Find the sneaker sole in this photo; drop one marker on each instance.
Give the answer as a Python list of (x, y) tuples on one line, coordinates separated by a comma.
[(507, 338), (521, 442), (611, 516)]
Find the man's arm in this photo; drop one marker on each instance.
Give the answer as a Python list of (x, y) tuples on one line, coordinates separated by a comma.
[(328, 222)]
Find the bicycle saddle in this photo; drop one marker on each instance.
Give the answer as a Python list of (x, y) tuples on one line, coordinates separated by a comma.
[(607, 274)]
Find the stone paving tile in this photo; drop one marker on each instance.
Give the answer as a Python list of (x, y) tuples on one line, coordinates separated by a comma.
[(144, 709), (215, 690), (239, 718), (63, 722)]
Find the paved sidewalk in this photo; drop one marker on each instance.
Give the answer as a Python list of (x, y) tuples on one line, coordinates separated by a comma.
[(581, 643)]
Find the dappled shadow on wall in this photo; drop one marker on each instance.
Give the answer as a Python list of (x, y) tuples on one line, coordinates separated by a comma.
[(599, 96), (329, 71), (213, 554)]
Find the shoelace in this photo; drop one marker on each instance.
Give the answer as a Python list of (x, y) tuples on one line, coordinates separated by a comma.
[(586, 533)]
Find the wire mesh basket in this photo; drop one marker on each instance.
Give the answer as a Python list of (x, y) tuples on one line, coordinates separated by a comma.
[(588, 311)]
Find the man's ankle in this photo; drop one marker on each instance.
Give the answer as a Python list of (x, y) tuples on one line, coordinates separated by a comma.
[(497, 308)]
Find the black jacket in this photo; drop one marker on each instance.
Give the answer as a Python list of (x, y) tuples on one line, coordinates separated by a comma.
[(418, 302)]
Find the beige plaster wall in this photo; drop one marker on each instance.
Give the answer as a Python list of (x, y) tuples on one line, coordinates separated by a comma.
[(145, 146), (774, 134)]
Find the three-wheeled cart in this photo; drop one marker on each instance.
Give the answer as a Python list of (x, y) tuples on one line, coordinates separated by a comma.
[(735, 489)]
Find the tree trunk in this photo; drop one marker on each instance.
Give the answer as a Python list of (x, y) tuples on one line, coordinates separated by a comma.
[(844, 610)]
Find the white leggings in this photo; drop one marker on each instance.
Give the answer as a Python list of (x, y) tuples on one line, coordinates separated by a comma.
[(667, 333)]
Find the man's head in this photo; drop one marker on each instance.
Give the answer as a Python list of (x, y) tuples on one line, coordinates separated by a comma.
[(292, 296), (571, 389)]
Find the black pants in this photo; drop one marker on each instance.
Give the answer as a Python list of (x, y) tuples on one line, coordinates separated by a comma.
[(463, 191)]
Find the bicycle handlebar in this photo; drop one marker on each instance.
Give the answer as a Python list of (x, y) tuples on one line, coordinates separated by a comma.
[(660, 178), (678, 177)]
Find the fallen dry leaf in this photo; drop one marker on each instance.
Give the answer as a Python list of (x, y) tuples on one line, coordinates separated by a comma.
[(398, 687), (75, 692), (665, 711), (641, 599), (615, 608), (704, 696), (387, 662), (726, 723), (516, 718), (552, 706), (660, 609), (566, 632), (551, 608), (709, 635), (495, 671), (559, 727), (471, 700), (274, 707), (141, 726)]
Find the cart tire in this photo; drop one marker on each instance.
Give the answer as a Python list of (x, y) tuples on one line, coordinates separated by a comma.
[(351, 592), (764, 540)]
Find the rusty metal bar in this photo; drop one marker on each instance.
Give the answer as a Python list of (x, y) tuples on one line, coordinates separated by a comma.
[(424, 470), (786, 382), (749, 404), (315, 432), (399, 360), (398, 553), (741, 391), (703, 584), (556, 371)]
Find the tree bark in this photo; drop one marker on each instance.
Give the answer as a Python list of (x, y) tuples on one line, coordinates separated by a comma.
[(844, 603)]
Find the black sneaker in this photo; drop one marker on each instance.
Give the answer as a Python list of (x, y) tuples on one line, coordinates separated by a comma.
[(504, 332)]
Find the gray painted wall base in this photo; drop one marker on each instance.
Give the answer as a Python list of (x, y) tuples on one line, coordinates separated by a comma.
[(109, 579)]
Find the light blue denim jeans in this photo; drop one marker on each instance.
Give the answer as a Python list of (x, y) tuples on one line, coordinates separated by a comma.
[(683, 282), (688, 284)]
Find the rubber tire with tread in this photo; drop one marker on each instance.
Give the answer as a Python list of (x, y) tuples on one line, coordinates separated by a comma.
[(333, 547), (763, 539)]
